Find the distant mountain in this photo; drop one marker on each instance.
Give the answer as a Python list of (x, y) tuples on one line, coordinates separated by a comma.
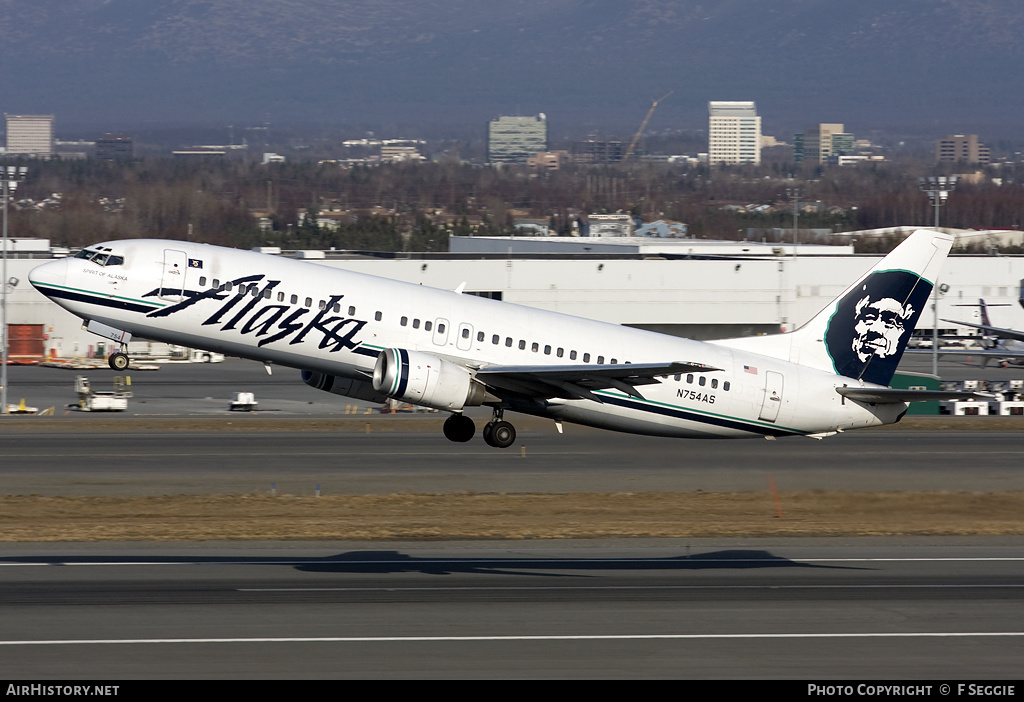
[(930, 65)]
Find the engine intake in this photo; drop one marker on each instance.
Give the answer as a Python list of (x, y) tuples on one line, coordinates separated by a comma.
[(427, 380)]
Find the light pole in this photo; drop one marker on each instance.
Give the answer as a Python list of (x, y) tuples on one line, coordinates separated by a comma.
[(794, 195), (938, 189), (11, 176)]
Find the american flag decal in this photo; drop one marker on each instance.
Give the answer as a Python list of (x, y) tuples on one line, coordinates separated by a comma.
[(750, 369), (195, 263)]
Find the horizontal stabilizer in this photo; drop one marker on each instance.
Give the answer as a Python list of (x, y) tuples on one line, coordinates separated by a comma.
[(887, 396)]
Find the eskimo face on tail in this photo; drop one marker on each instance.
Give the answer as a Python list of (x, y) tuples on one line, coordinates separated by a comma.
[(872, 324), (879, 327)]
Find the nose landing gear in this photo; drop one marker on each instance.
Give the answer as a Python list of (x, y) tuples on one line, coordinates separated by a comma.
[(118, 360)]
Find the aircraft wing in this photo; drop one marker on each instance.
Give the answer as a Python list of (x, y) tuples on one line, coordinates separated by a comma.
[(992, 331), (886, 396), (576, 382)]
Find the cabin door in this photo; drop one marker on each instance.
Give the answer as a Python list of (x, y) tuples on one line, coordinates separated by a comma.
[(773, 383), (172, 282)]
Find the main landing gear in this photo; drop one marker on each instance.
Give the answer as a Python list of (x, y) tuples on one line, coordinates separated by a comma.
[(497, 433)]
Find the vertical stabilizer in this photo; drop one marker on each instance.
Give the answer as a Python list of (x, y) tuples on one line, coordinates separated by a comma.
[(864, 332)]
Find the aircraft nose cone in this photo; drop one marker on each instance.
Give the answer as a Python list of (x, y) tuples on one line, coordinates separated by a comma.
[(49, 274)]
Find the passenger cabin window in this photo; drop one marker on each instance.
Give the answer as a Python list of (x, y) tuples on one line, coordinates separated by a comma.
[(202, 281), (309, 302), (294, 299), (351, 311), (479, 336), (427, 326), (465, 333), (415, 324), (377, 316), (403, 321)]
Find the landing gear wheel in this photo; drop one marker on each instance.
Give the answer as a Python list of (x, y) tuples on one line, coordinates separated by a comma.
[(459, 428), (500, 434), (118, 361)]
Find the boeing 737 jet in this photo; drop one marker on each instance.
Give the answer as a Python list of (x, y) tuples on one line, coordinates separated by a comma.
[(1005, 346), (373, 338)]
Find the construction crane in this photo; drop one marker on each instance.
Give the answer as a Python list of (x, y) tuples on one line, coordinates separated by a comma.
[(643, 125)]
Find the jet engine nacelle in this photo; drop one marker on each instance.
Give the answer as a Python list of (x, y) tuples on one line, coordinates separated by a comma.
[(358, 389), (427, 380)]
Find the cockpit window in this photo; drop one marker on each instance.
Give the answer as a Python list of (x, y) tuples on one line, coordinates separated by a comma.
[(100, 257)]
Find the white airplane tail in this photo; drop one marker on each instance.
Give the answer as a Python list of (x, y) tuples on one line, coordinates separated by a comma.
[(862, 333)]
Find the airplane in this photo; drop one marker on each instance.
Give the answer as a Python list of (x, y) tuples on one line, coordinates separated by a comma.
[(373, 338), (1005, 346)]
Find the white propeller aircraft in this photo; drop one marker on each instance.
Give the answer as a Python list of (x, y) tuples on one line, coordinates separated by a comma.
[(372, 338)]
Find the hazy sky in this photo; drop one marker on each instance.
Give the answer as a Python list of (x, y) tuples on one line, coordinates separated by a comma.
[(927, 65)]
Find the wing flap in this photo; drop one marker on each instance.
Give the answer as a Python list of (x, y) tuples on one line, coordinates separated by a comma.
[(579, 381)]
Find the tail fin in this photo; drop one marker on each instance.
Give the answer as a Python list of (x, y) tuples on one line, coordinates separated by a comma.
[(862, 334), (984, 313)]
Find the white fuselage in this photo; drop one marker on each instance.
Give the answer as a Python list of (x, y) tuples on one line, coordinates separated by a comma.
[(335, 322)]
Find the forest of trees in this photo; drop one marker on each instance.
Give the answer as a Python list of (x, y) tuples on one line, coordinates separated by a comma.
[(417, 206)]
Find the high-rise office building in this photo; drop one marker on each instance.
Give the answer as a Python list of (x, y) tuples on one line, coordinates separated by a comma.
[(30, 134), (734, 133), (115, 147), (822, 143), (515, 139), (961, 147)]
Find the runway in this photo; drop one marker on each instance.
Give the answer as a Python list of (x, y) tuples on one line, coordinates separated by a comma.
[(923, 608), (864, 609)]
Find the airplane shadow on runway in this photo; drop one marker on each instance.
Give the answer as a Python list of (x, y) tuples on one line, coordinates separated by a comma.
[(397, 562), (382, 562)]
